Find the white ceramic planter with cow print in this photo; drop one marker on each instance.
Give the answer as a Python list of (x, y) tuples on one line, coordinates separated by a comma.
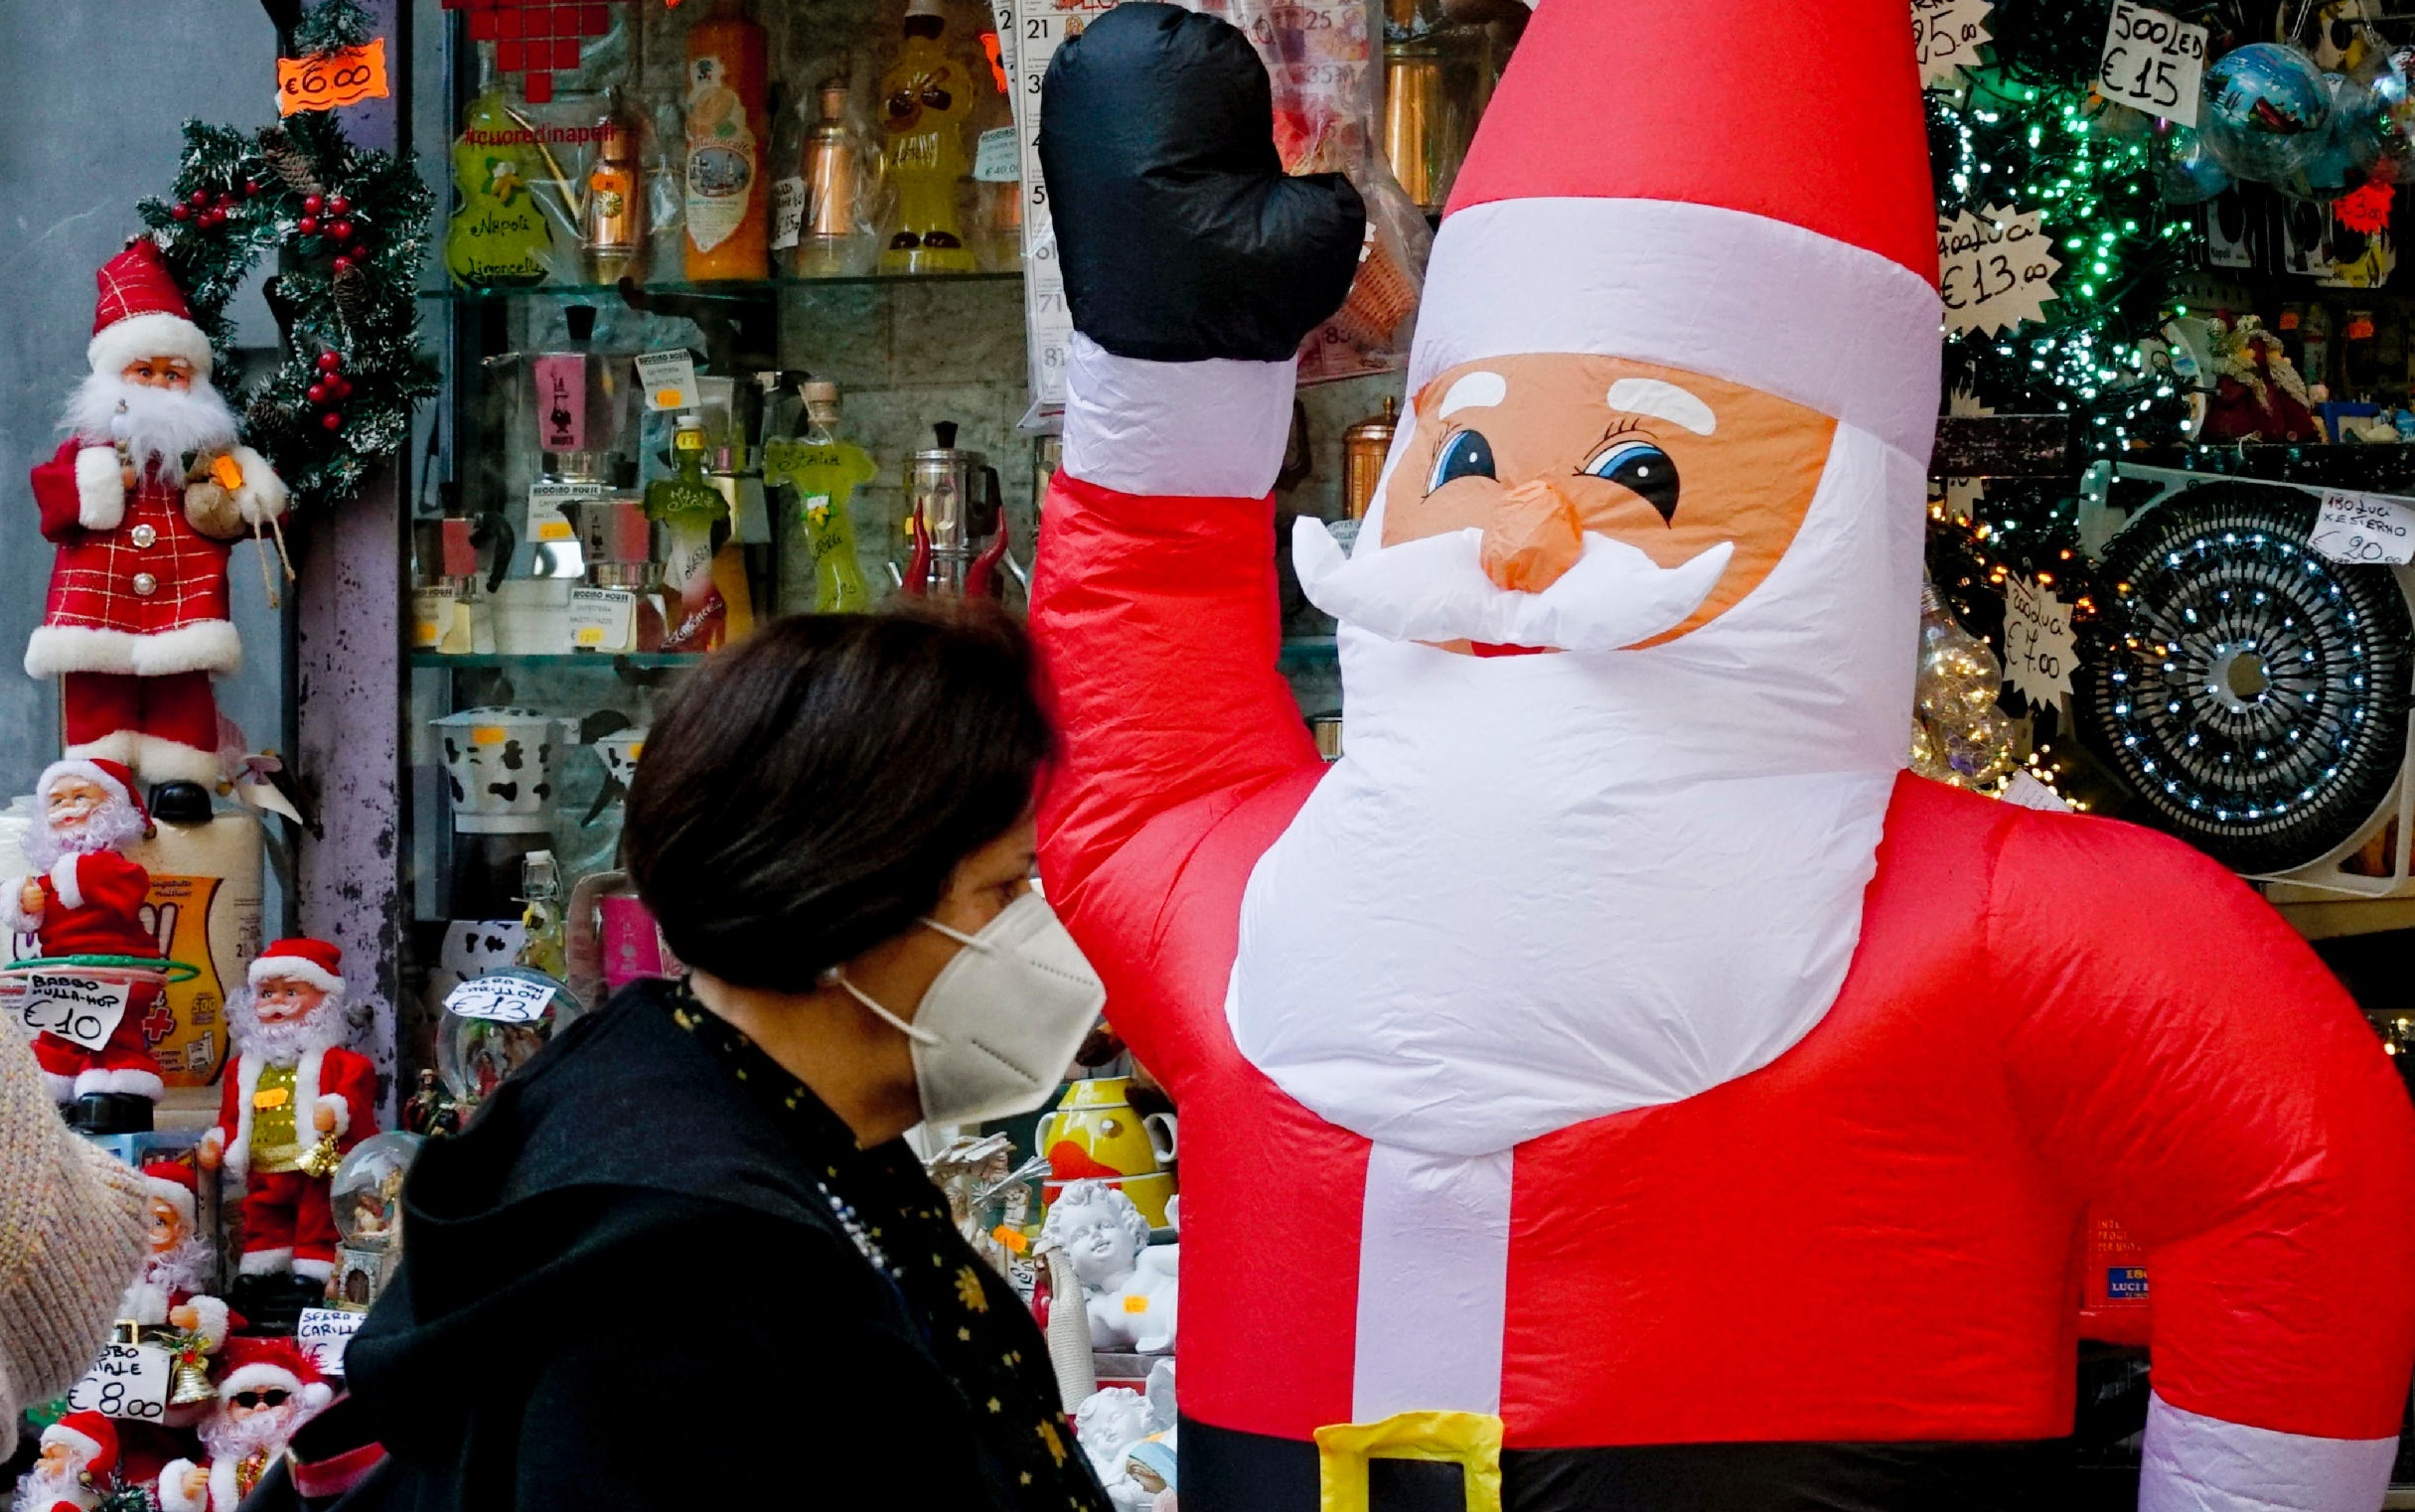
[(498, 768)]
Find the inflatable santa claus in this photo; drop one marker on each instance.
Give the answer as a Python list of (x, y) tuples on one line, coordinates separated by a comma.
[(1615, 1076)]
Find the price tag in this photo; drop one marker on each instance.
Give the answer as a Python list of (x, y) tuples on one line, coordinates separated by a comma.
[(76, 1009), (1946, 38), (431, 616), (2151, 61), (996, 160), (505, 1000), (127, 1381), (603, 619), (547, 522), (2037, 646), (332, 81), (1993, 272), (2364, 527), (669, 380), (788, 212), (323, 1333)]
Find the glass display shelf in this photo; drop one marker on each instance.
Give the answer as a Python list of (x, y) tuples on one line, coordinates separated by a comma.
[(1307, 651), (437, 660), (726, 288)]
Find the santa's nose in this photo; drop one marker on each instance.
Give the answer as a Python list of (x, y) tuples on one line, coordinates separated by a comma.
[(1533, 539)]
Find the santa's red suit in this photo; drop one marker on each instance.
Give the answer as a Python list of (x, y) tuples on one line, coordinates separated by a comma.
[(289, 1222), (244, 1441), (167, 1281), (136, 622), (1615, 1074), (92, 905)]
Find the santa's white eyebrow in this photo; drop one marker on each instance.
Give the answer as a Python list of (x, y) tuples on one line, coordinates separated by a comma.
[(1477, 390), (1665, 402)]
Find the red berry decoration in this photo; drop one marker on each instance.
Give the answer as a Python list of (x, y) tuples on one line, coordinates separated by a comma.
[(308, 225), (329, 361), (199, 199), (331, 421), (225, 201), (339, 205), (312, 203), (251, 187), (342, 230), (180, 211), (316, 393)]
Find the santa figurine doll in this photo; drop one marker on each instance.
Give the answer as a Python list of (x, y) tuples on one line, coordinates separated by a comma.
[(142, 501), (84, 897), (169, 1292), (269, 1387), (77, 1467), (1679, 1106), (294, 1101)]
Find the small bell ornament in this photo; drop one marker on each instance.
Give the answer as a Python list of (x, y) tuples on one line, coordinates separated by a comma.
[(189, 1382)]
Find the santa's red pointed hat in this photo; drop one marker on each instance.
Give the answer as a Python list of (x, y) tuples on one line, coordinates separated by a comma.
[(318, 963), (115, 778), (1725, 186), (142, 312)]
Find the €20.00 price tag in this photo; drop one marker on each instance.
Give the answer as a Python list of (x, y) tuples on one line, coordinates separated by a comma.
[(2365, 528), (505, 1000), (2151, 61), (127, 1381), (332, 81), (73, 1008)]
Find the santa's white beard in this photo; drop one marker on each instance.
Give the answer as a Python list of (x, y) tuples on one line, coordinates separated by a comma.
[(1542, 889), (184, 1266), (286, 1040), (229, 1438), (111, 825), (157, 425), (37, 1491)]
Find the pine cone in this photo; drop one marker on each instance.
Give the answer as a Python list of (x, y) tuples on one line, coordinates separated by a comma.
[(352, 293), (288, 161)]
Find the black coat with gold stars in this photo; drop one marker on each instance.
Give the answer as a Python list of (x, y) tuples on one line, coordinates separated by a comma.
[(657, 1272)]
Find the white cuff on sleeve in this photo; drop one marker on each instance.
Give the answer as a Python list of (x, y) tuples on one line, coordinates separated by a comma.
[(101, 489), (1212, 429), (2196, 1463)]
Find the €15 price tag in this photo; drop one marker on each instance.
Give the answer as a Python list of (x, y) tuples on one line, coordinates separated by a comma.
[(332, 81), (668, 380), (2037, 646), (2153, 62), (127, 1381), (2365, 528), (504, 1000), (73, 1008)]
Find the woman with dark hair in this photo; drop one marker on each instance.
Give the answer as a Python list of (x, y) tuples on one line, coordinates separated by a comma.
[(684, 1258)]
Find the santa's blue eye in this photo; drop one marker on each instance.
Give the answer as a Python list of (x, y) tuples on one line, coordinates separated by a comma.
[(1465, 455), (1642, 469)]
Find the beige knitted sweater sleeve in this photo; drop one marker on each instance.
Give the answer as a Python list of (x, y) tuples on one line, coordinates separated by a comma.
[(74, 1230)]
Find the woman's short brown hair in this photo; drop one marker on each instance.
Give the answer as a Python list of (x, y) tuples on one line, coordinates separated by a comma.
[(814, 787)]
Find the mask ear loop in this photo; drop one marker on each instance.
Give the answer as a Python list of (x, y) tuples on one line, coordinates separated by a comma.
[(837, 976)]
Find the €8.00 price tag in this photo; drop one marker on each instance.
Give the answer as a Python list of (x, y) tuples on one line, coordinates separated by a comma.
[(2365, 528), (505, 1000), (2151, 61), (127, 1381), (73, 1008), (332, 81)]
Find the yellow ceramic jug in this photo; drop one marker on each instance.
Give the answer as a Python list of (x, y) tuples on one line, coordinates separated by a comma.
[(1094, 1134)]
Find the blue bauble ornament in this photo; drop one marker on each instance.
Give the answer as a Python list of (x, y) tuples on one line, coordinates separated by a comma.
[(2187, 173), (2352, 143), (2266, 111)]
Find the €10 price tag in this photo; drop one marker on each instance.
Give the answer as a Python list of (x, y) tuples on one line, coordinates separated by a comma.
[(332, 81), (127, 1381), (73, 1008), (2153, 62)]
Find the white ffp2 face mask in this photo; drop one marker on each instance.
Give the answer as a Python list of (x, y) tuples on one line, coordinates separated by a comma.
[(1001, 1021)]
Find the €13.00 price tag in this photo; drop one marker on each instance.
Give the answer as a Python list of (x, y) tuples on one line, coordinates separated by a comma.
[(332, 81), (73, 1008), (2153, 62), (1946, 38), (1994, 271), (505, 1000), (2039, 649), (127, 1381), (2365, 528)]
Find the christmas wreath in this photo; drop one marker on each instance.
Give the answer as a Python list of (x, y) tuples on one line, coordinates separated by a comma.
[(348, 227)]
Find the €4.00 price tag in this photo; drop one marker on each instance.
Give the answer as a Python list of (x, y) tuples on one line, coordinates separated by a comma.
[(332, 81), (73, 1008), (127, 1381), (324, 1332), (2364, 527), (505, 1000), (2151, 61)]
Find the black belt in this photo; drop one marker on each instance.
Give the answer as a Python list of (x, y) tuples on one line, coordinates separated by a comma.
[(1225, 1470)]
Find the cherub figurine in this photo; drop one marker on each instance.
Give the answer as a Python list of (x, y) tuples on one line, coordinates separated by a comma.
[(1128, 1287)]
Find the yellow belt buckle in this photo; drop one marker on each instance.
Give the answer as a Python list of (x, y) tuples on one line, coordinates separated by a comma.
[(1470, 1441)]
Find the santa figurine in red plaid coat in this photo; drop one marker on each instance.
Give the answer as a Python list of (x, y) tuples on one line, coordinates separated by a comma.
[(142, 501)]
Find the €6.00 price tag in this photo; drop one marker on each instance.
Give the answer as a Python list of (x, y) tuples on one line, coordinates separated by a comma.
[(127, 1381), (77, 1008), (2151, 61), (505, 1000), (2364, 527), (332, 81)]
